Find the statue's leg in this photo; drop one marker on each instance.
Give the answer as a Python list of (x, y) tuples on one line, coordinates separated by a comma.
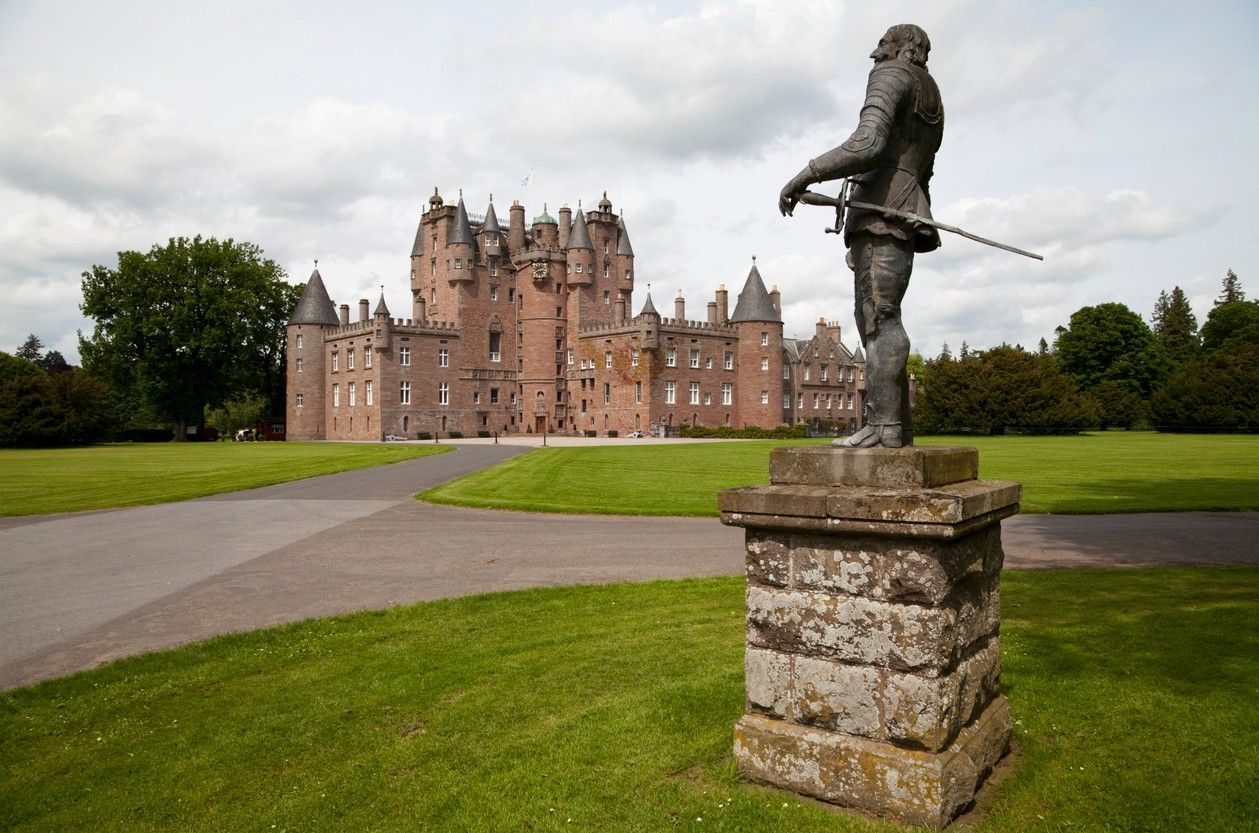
[(883, 264), (859, 258)]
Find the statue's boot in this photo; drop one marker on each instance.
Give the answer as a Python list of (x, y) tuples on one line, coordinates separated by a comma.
[(874, 435)]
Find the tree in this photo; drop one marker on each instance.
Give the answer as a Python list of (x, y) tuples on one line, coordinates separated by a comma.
[(30, 348), (1219, 390), (1175, 325), (1110, 342), (1043, 347), (41, 409), (1234, 322), (1231, 292), (187, 325), (994, 390)]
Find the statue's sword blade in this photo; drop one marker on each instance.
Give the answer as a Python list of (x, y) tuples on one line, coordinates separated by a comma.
[(912, 217)]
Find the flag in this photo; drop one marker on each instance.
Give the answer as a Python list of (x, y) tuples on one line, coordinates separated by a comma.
[(524, 183)]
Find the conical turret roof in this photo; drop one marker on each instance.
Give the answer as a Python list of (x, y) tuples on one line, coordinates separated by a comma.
[(857, 355), (580, 236), (315, 307), (417, 248), (381, 309), (754, 303), (461, 229), (649, 308), (491, 219), (623, 246)]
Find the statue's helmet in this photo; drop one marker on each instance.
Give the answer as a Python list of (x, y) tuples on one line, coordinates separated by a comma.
[(905, 41)]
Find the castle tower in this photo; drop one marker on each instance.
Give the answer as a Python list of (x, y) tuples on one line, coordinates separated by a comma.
[(580, 253), (305, 380), (461, 252), (760, 354), (624, 264), (516, 227), (649, 325), (491, 235), (603, 232), (543, 300), (419, 267)]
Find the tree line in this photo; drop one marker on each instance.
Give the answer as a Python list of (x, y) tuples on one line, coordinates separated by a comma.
[(186, 332), (1107, 368)]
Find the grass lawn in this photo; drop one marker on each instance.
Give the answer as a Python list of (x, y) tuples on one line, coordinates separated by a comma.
[(1102, 472), (38, 481), (610, 708)]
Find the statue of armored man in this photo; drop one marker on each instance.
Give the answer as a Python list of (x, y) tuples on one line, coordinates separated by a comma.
[(888, 160)]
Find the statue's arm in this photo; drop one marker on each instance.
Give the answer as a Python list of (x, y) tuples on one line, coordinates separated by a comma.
[(862, 150)]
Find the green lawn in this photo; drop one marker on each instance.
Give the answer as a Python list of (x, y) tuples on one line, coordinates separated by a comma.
[(612, 707), (1104, 472), (38, 481)]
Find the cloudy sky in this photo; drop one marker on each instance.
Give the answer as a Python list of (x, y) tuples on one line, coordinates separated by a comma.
[(1117, 138)]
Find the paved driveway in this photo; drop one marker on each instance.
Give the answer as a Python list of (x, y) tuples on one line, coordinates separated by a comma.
[(79, 590)]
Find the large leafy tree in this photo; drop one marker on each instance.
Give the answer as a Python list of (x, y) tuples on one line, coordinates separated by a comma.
[(1110, 342), (1175, 325), (1232, 323), (991, 391), (188, 325), (38, 408)]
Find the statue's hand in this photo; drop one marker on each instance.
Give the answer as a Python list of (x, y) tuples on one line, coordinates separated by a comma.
[(790, 196)]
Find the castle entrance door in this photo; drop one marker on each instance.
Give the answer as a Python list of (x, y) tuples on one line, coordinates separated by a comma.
[(540, 424)]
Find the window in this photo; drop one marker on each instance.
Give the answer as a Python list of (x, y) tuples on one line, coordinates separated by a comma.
[(476, 397), (458, 263), (764, 362), (493, 396), (727, 394), (729, 360), (815, 401), (404, 393), (336, 361), (694, 357), (299, 364), (605, 247), (806, 373), (694, 393), (559, 287), (786, 371), (607, 393), (764, 397), (764, 339), (850, 401), (493, 274), (670, 393), (786, 401), (638, 393), (708, 363), (496, 343), (607, 359), (404, 356), (825, 375), (850, 374), (353, 397), (443, 393), (800, 401), (559, 312), (367, 356), (349, 359), (708, 399), (605, 271), (828, 401), (367, 391), (607, 296), (569, 355), (300, 399), (432, 270), (491, 239), (298, 341), (443, 357), (336, 396), (511, 296), (493, 287), (671, 357), (633, 357)]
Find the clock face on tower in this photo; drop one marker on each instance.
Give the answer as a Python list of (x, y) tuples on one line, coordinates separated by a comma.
[(539, 270)]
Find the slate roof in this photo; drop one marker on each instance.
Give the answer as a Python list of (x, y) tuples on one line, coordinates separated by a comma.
[(754, 303), (490, 223), (381, 309), (315, 307), (461, 229), (623, 246), (580, 237), (649, 308), (417, 248)]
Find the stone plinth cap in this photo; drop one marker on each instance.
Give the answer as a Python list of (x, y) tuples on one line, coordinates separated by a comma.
[(912, 467)]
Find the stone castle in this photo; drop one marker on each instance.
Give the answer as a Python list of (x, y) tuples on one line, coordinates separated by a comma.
[(530, 330)]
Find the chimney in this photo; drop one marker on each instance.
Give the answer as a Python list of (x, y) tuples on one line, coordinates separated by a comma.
[(345, 314), (362, 309), (620, 309), (832, 330), (679, 307), (420, 312), (516, 226), (566, 224), (820, 332), (723, 305), (712, 312), (775, 298)]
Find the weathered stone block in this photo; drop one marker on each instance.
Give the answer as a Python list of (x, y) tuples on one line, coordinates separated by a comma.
[(948, 505), (930, 711), (919, 787), (768, 558), (768, 681), (912, 467), (906, 637), (837, 696)]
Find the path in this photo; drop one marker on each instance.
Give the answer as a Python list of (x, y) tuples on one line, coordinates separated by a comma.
[(79, 590)]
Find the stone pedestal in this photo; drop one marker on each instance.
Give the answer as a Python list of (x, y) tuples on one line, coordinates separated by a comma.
[(873, 661)]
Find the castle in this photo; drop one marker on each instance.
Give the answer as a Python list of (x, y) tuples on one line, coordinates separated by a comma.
[(530, 330)]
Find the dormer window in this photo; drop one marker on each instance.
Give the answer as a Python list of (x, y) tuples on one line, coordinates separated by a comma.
[(458, 263), (579, 268), (491, 239)]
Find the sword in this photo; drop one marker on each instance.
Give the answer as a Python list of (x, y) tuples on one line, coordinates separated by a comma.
[(842, 202)]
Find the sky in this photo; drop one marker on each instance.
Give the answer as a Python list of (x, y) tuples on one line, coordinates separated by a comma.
[(1117, 139)]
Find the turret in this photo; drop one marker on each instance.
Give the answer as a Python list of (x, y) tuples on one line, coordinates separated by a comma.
[(516, 227), (679, 307), (380, 320), (648, 324), (760, 329), (723, 304), (491, 234), (305, 386), (581, 253), (460, 247), (624, 259), (545, 230), (566, 225)]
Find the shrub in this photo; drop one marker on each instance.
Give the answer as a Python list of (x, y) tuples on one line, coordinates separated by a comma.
[(455, 435), (424, 435), (614, 434)]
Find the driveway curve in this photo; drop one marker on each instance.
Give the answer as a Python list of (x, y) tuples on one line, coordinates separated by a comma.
[(80, 590)]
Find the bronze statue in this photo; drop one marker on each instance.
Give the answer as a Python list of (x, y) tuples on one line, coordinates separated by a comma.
[(889, 157)]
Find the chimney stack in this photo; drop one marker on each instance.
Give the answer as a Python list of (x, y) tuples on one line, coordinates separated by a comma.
[(820, 332), (679, 307), (712, 312), (832, 330), (362, 309), (345, 314), (723, 305), (775, 298)]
